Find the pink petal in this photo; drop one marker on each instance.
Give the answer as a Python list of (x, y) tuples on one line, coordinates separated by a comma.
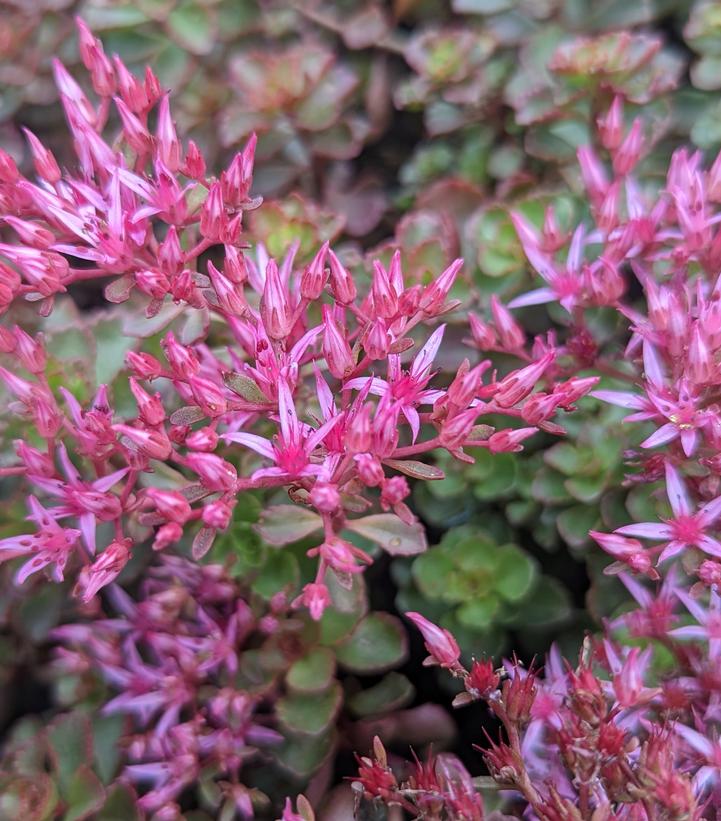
[(646, 530), (252, 441), (424, 358), (652, 365), (539, 296), (664, 434), (710, 511), (672, 549), (622, 398), (694, 739), (710, 545), (677, 492), (106, 482)]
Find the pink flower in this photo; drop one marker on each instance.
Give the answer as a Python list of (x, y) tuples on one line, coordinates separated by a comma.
[(292, 449), (441, 645), (51, 544), (407, 388), (687, 528), (104, 570), (316, 598)]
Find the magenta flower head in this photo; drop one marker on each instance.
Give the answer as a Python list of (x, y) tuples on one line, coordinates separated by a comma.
[(441, 645)]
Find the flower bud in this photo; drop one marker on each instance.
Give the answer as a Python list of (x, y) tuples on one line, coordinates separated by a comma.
[(315, 275), (217, 515), (341, 282), (171, 504), (441, 645), (205, 439), (324, 496)]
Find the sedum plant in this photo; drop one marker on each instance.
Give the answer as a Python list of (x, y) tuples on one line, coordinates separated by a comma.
[(248, 396), (629, 731)]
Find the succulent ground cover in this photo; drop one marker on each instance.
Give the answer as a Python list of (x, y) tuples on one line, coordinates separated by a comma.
[(359, 371)]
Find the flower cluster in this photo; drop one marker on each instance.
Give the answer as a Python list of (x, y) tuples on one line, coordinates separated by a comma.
[(171, 661), (630, 731), (281, 377)]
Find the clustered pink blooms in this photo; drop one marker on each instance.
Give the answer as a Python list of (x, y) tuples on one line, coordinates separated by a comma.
[(171, 658), (439, 785), (305, 385), (596, 740), (630, 732)]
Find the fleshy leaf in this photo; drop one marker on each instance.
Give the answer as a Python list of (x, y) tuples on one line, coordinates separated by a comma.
[(310, 714), (283, 524), (311, 672), (392, 692), (391, 533), (377, 643)]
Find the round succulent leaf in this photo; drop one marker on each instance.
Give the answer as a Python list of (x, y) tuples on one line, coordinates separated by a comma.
[(515, 573), (586, 489), (378, 643), (283, 524), (565, 458), (70, 744), (478, 614), (348, 606), (431, 571), (312, 672), (444, 512), (391, 533), (120, 803), (520, 511), (574, 523), (39, 612), (302, 755), (549, 488), (30, 797), (193, 26), (85, 795), (392, 692), (547, 605), (310, 713), (502, 479), (280, 572)]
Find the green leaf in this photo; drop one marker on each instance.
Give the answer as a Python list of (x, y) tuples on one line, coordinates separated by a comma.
[(430, 572), (245, 386), (283, 524), (193, 27), (587, 489), (377, 644), (417, 470), (312, 672), (516, 572), (479, 613), (85, 795), (575, 522), (120, 805), (549, 488), (30, 798), (565, 458), (71, 746), (107, 731), (111, 345), (547, 605), (303, 754), (391, 533), (348, 606), (392, 692), (310, 714), (39, 612), (278, 573)]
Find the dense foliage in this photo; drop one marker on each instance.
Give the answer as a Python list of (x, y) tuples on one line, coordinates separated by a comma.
[(332, 330)]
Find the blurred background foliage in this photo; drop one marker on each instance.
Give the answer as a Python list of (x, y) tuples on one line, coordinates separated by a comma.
[(415, 124)]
